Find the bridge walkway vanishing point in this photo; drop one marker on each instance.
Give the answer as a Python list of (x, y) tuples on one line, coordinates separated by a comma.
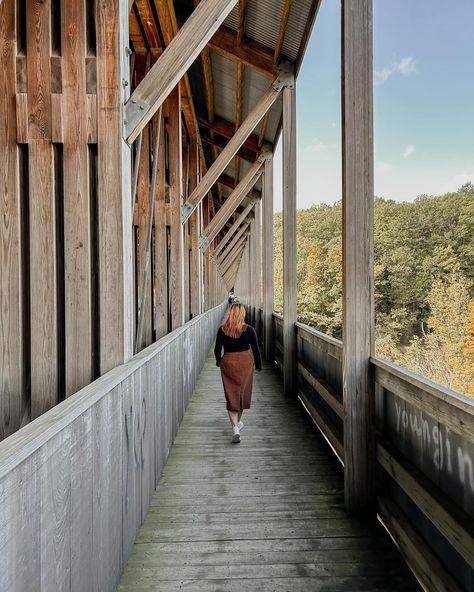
[(265, 514)]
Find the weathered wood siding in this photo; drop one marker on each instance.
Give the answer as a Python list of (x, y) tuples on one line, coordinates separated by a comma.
[(75, 484), (425, 455)]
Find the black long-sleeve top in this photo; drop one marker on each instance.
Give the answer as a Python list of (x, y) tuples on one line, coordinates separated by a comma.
[(247, 340)]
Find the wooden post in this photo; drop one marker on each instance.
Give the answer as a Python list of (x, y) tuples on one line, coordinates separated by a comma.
[(357, 232), (258, 262), (289, 241), (194, 237), (114, 187), (175, 171), (42, 213), (77, 236), (161, 249), (141, 216), (268, 275), (13, 398)]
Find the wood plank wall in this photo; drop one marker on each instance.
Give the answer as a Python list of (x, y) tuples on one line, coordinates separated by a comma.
[(72, 248), (89, 467)]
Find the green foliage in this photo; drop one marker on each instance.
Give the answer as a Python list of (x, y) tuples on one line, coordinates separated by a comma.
[(424, 276)]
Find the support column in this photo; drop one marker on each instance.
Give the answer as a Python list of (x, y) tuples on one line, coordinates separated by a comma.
[(357, 229), (114, 183), (289, 241), (194, 238), (258, 267), (176, 231), (267, 247)]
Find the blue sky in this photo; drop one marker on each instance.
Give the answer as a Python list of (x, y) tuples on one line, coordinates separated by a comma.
[(423, 102)]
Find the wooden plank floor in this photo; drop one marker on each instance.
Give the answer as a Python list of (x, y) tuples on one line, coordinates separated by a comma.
[(263, 515)]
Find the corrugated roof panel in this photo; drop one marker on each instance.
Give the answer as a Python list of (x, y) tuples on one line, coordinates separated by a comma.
[(299, 15), (258, 85), (232, 20), (263, 21), (224, 74)]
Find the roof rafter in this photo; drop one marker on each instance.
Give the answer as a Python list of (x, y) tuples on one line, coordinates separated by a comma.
[(226, 129), (250, 53)]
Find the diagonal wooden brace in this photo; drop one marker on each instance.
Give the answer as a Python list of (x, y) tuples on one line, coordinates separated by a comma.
[(224, 266), (233, 201), (173, 64), (243, 132), (245, 215), (232, 244)]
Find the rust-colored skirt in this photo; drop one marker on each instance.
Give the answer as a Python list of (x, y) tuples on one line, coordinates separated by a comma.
[(237, 378)]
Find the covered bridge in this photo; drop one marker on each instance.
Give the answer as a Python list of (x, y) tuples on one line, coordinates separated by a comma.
[(136, 189)]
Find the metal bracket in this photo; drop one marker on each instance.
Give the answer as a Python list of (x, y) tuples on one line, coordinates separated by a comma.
[(132, 113), (203, 242), (286, 77), (186, 210), (264, 155)]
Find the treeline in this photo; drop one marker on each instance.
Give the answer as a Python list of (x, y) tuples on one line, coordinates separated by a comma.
[(424, 281)]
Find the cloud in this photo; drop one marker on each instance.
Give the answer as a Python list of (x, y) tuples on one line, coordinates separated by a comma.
[(383, 167), (457, 181), (316, 146), (404, 67), (409, 150)]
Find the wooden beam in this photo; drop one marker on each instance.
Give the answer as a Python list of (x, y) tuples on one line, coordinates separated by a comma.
[(242, 21), (230, 274), (448, 518), (233, 229), (235, 254), (357, 232), (219, 259), (247, 52), (226, 129), (234, 199), (289, 242), (263, 129), (153, 42), (42, 212), (145, 303), (195, 277), (207, 79), (426, 566), (281, 33), (160, 244), (77, 238), (114, 182), (176, 276), (173, 64), (239, 92), (231, 256), (233, 146), (219, 142), (267, 248), (14, 400)]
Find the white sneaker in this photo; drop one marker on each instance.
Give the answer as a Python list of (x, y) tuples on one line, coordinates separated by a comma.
[(235, 435), (240, 425)]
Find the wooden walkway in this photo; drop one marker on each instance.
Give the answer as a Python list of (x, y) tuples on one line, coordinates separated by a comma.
[(263, 515)]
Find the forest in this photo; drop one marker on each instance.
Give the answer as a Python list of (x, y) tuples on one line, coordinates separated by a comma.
[(424, 281)]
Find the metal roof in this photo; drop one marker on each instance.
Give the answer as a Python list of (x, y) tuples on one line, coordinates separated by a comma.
[(262, 25)]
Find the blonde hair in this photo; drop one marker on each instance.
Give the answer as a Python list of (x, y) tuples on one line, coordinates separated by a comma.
[(233, 324)]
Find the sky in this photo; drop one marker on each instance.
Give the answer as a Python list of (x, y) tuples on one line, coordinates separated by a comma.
[(423, 102)]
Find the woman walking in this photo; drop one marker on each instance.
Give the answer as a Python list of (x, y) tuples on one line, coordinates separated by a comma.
[(236, 338)]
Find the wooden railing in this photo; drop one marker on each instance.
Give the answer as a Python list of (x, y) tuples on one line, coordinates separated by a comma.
[(75, 484), (424, 450)]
